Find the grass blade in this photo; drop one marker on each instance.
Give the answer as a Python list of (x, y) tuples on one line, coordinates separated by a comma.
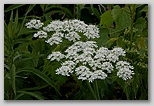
[(41, 75), (36, 95), (13, 77), (29, 9), (10, 28), (13, 7)]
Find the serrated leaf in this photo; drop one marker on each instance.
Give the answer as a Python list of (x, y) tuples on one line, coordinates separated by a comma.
[(121, 17)]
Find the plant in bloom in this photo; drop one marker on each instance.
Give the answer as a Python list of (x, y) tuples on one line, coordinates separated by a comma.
[(82, 58)]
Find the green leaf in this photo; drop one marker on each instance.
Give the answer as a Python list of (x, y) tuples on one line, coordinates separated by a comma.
[(16, 21), (34, 88), (95, 11), (41, 75), (13, 77), (10, 26), (103, 36), (112, 40), (140, 43), (34, 94), (106, 19), (121, 17), (6, 84), (62, 10), (120, 42), (18, 96), (145, 9), (79, 7), (23, 22), (140, 23), (14, 6), (136, 84)]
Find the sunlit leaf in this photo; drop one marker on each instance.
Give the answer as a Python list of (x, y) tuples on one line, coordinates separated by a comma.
[(121, 17), (106, 19)]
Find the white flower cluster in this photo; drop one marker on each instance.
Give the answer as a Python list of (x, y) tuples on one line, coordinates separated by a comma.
[(125, 71), (85, 74), (66, 69), (41, 34), (93, 63), (34, 24), (84, 59), (70, 30), (56, 56), (55, 39)]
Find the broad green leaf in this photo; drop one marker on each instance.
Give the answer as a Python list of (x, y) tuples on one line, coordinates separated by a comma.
[(14, 6), (34, 94), (140, 43), (106, 19), (103, 36), (13, 78), (121, 17), (41, 75), (140, 23)]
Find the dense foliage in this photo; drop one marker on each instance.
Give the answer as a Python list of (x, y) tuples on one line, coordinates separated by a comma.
[(29, 75)]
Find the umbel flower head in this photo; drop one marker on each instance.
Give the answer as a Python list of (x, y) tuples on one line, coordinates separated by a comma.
[(82, 58), (68, 29)]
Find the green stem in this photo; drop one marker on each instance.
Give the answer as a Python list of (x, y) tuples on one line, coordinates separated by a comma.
[(132, 20), (92, 91), (97, 92)]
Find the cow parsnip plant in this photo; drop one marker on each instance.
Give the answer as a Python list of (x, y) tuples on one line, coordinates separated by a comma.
[(64, 58), (82, 58)]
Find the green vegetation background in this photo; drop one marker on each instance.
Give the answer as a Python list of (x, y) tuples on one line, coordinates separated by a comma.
[(28, 75)]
